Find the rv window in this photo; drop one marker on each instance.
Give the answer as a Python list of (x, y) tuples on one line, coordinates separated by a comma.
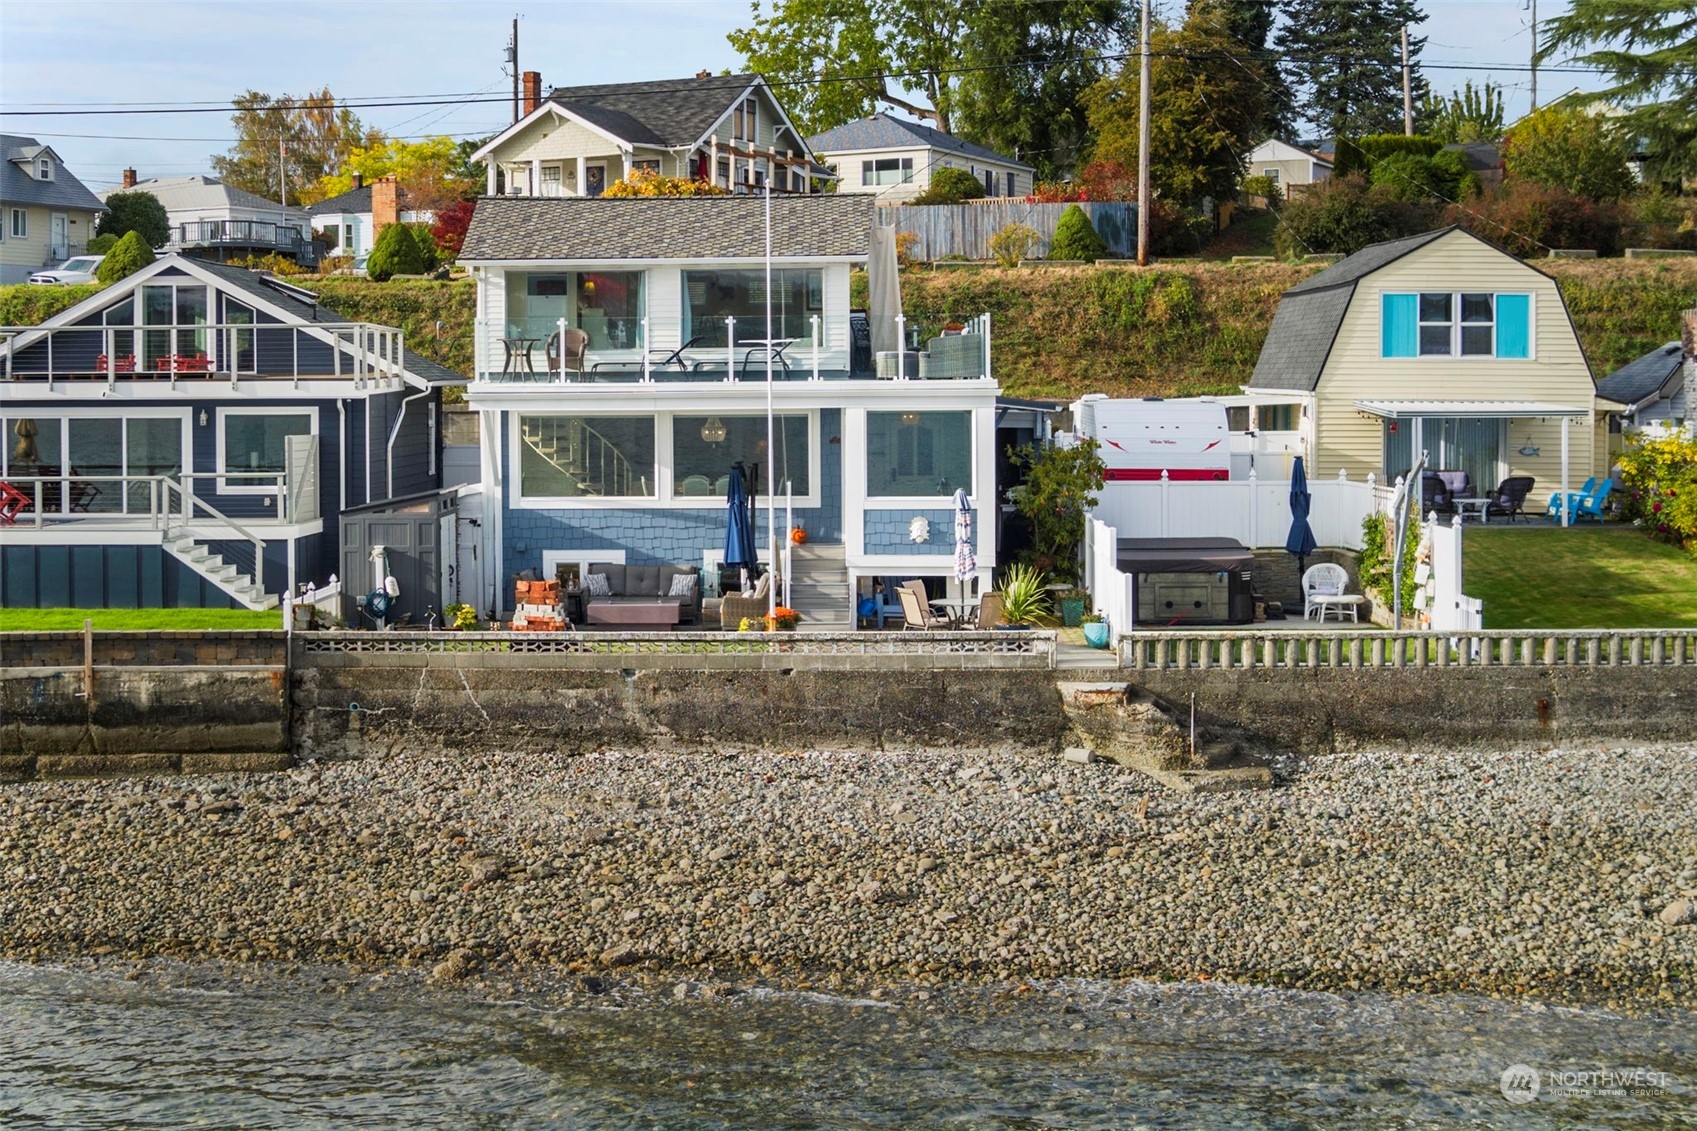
[(1237, 419)]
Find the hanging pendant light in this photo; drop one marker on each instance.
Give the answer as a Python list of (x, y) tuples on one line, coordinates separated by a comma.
[(713, 432)]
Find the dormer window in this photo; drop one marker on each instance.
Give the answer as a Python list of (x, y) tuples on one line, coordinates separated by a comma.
[(44, 168)]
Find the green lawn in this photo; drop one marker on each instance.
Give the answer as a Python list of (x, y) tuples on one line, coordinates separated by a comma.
[(116, 620), (1585, 577)]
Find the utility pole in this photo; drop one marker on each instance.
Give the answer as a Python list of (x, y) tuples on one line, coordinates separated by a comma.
[(1407, 88), (1534, 54), (1143, 138), (513, 62)]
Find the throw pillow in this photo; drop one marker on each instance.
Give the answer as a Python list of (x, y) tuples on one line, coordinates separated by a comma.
[(598, 586), (683, 585), (763, 586)]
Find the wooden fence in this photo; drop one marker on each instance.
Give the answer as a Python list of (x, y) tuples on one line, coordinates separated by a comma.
[(963, 231)]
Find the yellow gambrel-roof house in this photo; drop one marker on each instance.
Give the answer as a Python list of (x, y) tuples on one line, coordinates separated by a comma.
[(1439, 342)]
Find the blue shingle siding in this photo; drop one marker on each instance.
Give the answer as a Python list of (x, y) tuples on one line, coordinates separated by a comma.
[(887, 532)]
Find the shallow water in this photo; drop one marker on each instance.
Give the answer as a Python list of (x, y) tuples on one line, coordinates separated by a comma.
[(186, 1046)]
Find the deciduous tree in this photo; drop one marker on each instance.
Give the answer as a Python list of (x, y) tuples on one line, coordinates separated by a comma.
[(1467, 115), (315, 134), (1207, 104), (1569, 148)]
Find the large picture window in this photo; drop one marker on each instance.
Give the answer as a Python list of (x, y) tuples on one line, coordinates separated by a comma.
[(712, 296), (704, 447), (96, 451), (606, 305), (918, 454), (254, 442), (564, 456), (887, 171)]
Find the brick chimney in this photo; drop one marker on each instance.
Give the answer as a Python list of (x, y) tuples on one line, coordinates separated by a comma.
[(359, 180), (129, 178), (385, 204), (532, 91)]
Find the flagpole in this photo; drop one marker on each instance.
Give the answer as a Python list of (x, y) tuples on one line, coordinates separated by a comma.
[(771, 448)]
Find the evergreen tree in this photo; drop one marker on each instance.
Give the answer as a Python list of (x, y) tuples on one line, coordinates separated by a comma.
[(127, 256), (1249, 23), (1649, 49), (1076, 237), (397, 252), (1344, 60)]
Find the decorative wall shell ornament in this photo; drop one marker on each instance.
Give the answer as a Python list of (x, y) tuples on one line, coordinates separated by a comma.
[(919, 530)]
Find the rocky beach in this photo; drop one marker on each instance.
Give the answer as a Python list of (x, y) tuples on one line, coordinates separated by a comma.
[(1563, 874)]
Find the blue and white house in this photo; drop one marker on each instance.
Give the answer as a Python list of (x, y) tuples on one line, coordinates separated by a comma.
[(625, 363), (189, 436)]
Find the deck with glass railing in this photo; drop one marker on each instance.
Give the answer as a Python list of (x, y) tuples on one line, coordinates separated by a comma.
[(352, 351), (816, 348)]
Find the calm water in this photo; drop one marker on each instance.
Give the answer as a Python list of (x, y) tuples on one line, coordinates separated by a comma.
[(91, 1050)]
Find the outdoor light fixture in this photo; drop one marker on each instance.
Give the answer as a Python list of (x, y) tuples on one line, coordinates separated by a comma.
[(203, 418), (909, 419), (713, 432)]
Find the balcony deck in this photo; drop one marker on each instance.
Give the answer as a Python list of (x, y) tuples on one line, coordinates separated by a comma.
[(245, 235)]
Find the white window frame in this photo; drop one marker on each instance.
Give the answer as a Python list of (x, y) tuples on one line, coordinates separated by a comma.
[(1455, 324), (221, 414), (44, 168), (815, 465), (918, 502), (183, 416), (661, 469), (20, 224)]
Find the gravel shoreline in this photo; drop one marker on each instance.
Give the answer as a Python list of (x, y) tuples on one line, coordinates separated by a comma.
[(1561, 874)]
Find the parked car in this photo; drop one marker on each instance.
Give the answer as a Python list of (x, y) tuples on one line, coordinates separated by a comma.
[(78, 269)]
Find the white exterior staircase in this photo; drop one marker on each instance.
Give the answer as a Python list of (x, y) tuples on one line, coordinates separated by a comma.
[(239, 586), (819, 587)]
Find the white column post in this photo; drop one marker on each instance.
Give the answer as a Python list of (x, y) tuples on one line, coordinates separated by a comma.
[(730, 348), (1254, 539), (1166, 500), (535, 177), (582, 175), (1566, 503), (816, 347), (562, 333), (901, 347), (489, 185), (646, 374)]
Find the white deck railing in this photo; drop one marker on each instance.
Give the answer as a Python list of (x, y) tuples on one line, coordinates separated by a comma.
[(1255, 512)]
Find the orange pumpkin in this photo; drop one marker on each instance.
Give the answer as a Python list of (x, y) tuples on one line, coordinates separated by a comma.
[(798, 536)]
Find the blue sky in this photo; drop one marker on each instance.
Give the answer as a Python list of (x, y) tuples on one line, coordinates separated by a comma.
[(63, 54)]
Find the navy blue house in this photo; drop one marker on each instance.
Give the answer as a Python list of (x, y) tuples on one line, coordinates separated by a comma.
[(189, 436)]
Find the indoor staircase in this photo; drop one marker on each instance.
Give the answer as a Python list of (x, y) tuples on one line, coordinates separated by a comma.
[(819, 587), (580, 453)]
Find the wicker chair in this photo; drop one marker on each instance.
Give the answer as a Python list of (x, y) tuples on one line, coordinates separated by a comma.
[(734, 607)]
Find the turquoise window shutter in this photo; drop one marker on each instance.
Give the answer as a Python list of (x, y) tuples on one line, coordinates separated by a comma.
[(1399, 325), (1514, 325)]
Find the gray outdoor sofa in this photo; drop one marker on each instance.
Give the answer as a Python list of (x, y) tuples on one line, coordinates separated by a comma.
[(646, 582)]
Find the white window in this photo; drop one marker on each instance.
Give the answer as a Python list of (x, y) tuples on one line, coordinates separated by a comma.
[(1272, 174), (254, 442), (887, 171), (1443, 335), (551, 181), (44, 169), (20, 223)]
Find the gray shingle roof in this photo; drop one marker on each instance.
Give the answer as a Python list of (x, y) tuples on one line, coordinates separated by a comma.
[(179, 193), (19, 186), (700, 227), (665, 113), (1646, 378), (354, 200), (1309, 314), (881, 131)]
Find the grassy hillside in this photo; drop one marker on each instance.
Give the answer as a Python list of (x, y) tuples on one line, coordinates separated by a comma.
[(1191, 328), (1059, 332)]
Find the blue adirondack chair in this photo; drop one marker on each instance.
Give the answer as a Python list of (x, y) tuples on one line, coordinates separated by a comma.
[(1592, 504), (1554, 509)]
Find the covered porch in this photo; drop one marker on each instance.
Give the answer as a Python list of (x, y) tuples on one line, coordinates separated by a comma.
[(1477, 438)]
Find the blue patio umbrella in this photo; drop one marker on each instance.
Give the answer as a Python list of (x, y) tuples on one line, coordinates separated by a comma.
[(739, 529), (1300, 540)]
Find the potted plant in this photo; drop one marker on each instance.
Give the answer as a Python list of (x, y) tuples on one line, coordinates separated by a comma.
[(1025, 601), (1095, 630), (1072, 602), (781, 619), (461, 617)]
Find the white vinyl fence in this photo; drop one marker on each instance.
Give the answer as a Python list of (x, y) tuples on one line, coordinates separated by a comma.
[(1110, 590), (1254, 511)]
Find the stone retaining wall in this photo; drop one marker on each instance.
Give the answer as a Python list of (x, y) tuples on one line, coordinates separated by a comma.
[(206, 649)]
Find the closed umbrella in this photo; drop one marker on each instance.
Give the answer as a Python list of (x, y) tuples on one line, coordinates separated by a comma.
[(966, 560), (1300, 540), (739, 531)]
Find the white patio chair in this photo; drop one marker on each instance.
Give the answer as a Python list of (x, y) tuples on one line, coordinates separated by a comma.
[(1322, 591)]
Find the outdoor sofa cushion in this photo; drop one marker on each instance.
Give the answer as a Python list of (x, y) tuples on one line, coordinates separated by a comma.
[(639, 582)]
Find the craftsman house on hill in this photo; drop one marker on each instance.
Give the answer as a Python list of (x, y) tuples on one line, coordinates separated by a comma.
[(727, 129), (203, 435), (46, 214), (1440, 343)]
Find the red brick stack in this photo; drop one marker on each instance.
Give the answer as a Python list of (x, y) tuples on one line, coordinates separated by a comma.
[(537, 608)]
